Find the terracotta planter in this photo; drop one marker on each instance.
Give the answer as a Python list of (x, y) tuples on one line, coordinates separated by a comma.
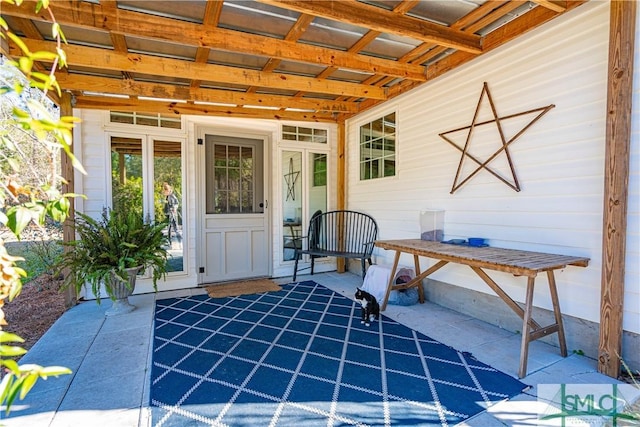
[(122, 290)]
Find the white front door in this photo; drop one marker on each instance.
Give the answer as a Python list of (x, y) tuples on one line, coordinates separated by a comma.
[(234, 242)]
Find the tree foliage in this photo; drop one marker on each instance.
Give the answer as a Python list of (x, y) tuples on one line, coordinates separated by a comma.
[(31, 136)]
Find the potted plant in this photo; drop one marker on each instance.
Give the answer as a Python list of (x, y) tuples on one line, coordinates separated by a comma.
[(111, 251)]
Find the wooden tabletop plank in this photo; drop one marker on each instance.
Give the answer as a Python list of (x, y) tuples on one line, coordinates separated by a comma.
[(515, 261)]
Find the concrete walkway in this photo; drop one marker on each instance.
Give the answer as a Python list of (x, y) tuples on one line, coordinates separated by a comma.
[(110, 359)]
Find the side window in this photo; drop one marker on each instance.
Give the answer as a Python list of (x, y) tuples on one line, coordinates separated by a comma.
[(378, 148)]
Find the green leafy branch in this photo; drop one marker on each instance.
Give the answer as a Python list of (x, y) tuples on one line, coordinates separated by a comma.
[(24, 203)]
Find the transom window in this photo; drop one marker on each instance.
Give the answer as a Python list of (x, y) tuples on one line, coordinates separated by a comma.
[(378, 148), (304, 134), (145, 119)]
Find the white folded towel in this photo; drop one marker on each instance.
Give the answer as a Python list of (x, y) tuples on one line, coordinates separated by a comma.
[(377, 279)]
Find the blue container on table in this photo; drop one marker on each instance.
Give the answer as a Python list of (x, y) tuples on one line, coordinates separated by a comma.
[(477, 242)]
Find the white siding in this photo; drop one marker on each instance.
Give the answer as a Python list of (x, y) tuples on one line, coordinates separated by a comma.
[(92, 152), (558, 161)]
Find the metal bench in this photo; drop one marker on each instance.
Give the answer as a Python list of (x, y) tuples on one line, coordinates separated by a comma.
[(340, 234)]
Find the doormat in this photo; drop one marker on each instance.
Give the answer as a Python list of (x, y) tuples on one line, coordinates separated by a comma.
[(244, 287), (300, 356)]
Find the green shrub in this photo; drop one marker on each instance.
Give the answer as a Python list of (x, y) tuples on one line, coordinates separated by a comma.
[(41, 257)]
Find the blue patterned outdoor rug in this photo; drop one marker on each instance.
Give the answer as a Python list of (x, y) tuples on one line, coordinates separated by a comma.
[(300, 357)]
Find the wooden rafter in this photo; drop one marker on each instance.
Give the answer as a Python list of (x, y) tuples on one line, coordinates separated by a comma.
[(509, 31), (375, 18), (210, 20), (556, 6), (118, 39), (429, 50), (294, 33), (365, 40)]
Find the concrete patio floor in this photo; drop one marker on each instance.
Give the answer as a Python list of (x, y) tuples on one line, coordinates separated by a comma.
[(110, 358)]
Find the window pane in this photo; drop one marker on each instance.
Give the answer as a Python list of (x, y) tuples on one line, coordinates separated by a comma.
[(147, 121), (220, 182), (390, 123), (320, 136), (233, 156), (167, 169), (233, 178), (126, 174), (365, 152), (389, 167), (376, 128), (375, 167), (365, 133), (319, 170), (118, 117), (291, 202), (365, 170), (171, 124), (234, 202), (247, 201), (221, 205), (220, 153)]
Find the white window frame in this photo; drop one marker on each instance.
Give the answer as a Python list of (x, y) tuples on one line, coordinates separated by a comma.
[(148, 208), (380, 159)]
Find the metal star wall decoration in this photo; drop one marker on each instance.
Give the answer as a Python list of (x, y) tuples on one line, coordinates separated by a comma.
[(504, 147), (291, 179)]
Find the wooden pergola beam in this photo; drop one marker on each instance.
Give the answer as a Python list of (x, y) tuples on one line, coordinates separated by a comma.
[(77, 82), (91, 57), (176, 108), (616, 179)]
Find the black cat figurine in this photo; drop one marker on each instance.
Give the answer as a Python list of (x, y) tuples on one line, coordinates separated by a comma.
[(370, 307)]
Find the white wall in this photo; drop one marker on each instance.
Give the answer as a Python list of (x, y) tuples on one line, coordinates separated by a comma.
[(558, 161)]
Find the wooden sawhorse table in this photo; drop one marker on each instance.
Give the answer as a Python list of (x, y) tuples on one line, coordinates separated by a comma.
[(516, 262)]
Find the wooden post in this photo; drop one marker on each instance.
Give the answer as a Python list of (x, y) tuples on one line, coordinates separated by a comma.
[(341, 186), (616, 178), (68, 231)]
